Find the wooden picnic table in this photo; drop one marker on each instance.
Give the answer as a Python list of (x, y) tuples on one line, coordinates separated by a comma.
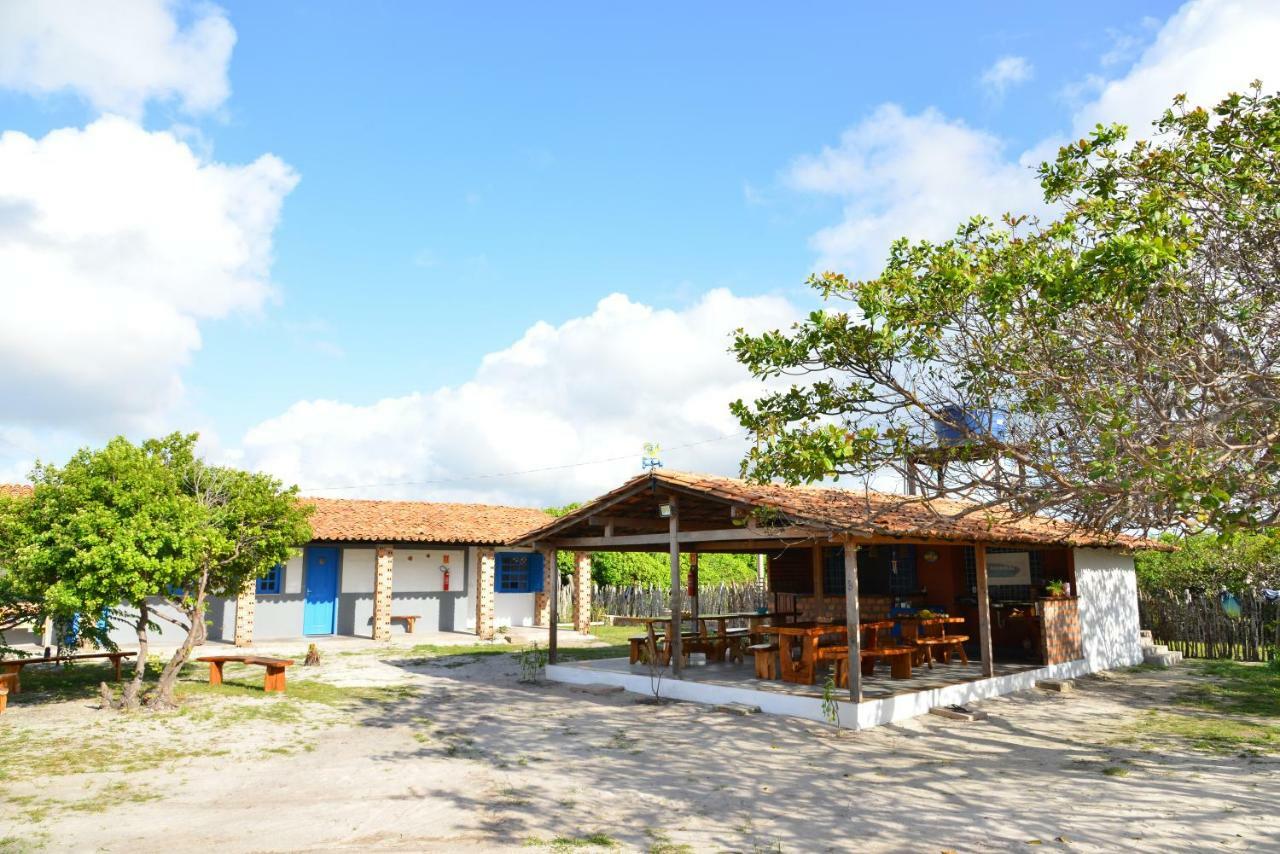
[(801, 669), (14, 665), (715, 645), (916, 632)]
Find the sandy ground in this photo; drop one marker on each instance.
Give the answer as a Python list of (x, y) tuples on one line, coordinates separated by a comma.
[(473, 759)]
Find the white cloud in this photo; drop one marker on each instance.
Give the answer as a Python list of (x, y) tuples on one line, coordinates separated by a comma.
[(921, 176), (1007, 71), (115, 243), (1208, 48), (595, 387), (117, 56), (899, 174)]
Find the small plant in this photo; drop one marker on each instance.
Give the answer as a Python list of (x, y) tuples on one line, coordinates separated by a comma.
[(1056, 588), (655, 666), (830, 706), (533, 663), (313, 656)]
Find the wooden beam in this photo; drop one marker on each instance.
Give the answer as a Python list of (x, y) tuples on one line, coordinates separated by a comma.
[(673, 533), (637, 523), (555, 606), (852, 619), (984, 611), (715, 536)]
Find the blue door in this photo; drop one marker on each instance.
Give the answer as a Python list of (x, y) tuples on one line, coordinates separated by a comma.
[(321, 608)]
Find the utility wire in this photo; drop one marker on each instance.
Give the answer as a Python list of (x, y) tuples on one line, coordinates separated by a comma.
[(497, 475)]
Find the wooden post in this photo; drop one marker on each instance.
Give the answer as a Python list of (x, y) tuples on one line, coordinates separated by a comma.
[(818, 593), (852, 620), (673, 529), (984, 611), (555, 606)]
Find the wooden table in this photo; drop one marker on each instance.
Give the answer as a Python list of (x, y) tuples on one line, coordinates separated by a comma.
[(14, 666), (802, 670), (754, 620), (715, 644), (912, 634)]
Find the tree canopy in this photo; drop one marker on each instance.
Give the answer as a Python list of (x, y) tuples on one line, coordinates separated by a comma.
[(1236, 562), (1115, 366), (144, 526)]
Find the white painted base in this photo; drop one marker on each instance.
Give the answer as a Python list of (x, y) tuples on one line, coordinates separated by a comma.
[(864, 715)]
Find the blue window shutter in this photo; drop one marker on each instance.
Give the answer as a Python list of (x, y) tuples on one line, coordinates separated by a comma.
[(499, 563), (535, 572)]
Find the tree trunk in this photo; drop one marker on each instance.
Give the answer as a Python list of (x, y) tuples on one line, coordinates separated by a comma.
[(164, 696), (133, 691)]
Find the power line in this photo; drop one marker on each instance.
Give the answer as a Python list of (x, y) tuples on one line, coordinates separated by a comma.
[(497, 475)]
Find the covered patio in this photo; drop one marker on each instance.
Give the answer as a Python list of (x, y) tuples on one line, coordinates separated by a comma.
[(952, 606)]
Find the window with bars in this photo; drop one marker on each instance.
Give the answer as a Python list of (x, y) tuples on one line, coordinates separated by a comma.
[(270, 584), (518, 572), (881, 570)]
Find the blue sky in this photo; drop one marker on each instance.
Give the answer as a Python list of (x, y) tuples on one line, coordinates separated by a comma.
[(464, 173)]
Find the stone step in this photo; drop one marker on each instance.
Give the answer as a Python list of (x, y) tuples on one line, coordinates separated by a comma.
[(1177, 656), (1059, 685), (1156, 649), (1165, 659), (738, 709)]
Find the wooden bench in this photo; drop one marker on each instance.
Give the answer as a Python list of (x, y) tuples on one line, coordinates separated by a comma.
[(946, 645), (14, 666), (766, 655), (409, 621), (273, 681), (899, 658), (639, 648), (6, 683)]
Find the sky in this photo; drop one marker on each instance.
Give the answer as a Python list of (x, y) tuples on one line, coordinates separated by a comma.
[(461, 252)]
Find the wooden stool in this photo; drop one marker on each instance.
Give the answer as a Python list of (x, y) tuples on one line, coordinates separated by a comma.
[(766, 660)]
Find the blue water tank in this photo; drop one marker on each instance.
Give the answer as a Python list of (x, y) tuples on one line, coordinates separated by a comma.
[(971, 424)]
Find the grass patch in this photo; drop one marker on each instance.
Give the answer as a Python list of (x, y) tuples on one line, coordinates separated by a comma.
[(1233, 707), (572, 843), (1235, 687), (1210, 733), (1115, 771)]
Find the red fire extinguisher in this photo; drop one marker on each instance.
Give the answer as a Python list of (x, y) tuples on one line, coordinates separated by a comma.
[(445, 571)]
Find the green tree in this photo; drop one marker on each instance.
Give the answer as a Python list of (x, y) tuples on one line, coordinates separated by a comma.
[(1133, 343), (129, 525), (246, 524), (108, 528), (1238, 562)]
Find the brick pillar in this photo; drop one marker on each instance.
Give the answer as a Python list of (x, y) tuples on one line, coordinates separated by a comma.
[(245, 604), (382, 577), (485, 561), (542, 601), (582, 591)]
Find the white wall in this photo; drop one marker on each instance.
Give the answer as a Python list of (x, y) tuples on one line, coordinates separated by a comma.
[(419, 570), (357, 570), (1108, 590)]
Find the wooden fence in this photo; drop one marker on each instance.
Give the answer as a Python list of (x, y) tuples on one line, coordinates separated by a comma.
[(645, 600), (1199, 627)]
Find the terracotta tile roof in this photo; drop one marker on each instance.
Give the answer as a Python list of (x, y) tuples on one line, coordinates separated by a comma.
[(873, 513), (358, 520), (15, 490)]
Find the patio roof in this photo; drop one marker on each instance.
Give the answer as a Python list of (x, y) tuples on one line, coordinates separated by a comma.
[(727, 510)]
